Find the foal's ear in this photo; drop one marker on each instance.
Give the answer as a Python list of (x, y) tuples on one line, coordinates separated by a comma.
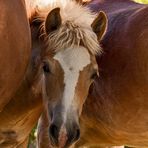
[(53, 20), (99, 25)]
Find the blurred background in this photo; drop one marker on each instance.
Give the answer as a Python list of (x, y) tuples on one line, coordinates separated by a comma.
[(32, 140), (142, 1)]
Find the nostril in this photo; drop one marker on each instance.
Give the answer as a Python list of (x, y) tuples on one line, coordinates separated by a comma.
[(77, 135), (53, 131), (73, 136)]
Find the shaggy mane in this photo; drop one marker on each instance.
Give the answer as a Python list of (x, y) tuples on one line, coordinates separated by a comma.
[(75, 29)]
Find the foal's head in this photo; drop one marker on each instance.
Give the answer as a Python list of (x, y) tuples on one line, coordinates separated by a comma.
[(70, 67)]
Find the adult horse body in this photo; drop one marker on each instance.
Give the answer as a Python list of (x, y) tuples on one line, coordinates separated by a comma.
[(115, 112), (15, 45)]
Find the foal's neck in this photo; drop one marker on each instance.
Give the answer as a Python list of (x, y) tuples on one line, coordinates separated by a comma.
[(32, 82)]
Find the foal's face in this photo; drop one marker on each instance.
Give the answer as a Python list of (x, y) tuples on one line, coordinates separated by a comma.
[(68, 76)]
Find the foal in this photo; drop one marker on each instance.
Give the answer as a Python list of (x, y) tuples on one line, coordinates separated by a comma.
[(73, 40)]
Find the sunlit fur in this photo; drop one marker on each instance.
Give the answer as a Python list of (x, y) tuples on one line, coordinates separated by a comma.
[(76, 24), (15, 47), (75, 28)]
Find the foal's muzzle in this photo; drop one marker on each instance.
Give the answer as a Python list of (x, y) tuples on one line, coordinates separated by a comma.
[(64, 136)]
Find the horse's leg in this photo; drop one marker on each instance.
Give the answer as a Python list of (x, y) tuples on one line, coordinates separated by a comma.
[(24, 144)]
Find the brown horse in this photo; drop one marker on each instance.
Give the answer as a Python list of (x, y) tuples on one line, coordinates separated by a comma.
[(115, 111), (74, 44), (15, 47), (62, 62)]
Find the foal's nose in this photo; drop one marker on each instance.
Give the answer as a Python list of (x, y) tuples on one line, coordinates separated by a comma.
[(73, 135), (54, 134), (69, 135)]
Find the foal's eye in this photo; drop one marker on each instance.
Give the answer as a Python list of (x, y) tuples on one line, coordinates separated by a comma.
[(46, 68), (94, 75)]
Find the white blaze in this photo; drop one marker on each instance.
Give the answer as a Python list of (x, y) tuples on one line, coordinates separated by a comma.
[(72, 60)]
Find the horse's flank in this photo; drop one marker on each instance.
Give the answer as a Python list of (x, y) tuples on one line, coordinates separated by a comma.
[(15, 45), (115, 112)]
